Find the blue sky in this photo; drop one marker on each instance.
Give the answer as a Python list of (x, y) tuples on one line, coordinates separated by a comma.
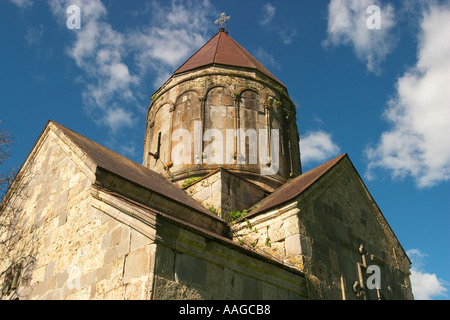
[(381, 95)]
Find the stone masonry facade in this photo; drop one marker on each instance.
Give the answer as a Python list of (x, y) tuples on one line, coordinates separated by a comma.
[(68, 248), (222, 192), (321, 233), (78, 241)]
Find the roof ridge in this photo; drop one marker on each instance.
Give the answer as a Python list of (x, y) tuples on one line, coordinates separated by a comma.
[(253, 61), (217, 47), (251, 58), (281, 196), (206, 43)]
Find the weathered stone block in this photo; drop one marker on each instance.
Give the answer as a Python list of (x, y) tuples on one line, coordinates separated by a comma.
[(138, 240), (165, 262), (116, 236), (110, 255), (268, 291), (202, 195), (246, 287), (293, 245), (276, 230), (215, 280), (189, 269), (138, 290), (137, 264), (106, 241), (49, 270)]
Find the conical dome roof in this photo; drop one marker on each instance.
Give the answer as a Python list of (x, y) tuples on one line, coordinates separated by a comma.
[(223, 50)]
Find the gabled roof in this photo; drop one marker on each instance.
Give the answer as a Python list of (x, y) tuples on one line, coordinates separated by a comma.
[(293, 188), (132, 171), (223, 50)]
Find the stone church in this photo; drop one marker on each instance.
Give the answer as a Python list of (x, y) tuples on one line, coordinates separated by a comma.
[(219, 208)]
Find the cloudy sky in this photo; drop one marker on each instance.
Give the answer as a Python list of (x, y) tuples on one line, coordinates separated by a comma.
[(368, 77)]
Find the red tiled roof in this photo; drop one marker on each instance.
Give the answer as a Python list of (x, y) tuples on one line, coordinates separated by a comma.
[(293, 188), (223, 50)]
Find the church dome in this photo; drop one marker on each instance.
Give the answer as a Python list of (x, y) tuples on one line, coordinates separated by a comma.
[(223, 109)]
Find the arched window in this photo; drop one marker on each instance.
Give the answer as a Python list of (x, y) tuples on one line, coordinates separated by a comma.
[(187, 108), (186, 111), (159, 137)]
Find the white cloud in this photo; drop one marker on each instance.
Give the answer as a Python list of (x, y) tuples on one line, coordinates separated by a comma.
[(317, 146), (347, 25), (99, 51), (425, 286), (23, 4), (34, 35), (117, 118), (417, 144), (286, 31), (268, 12), (174, 34), (114, 63), (267, 59)]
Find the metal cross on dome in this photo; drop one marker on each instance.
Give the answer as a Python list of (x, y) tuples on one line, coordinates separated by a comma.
[(223, 19)]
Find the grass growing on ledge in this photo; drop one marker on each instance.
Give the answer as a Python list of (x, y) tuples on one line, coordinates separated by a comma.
[(234, 215), (213, 210), (189, 181)]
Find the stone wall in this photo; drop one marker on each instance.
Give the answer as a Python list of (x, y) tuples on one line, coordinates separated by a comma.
[(153, 200), (68, 249), (78, 240), (223, 192), (333, 232), (273, 233), (190, 265)]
